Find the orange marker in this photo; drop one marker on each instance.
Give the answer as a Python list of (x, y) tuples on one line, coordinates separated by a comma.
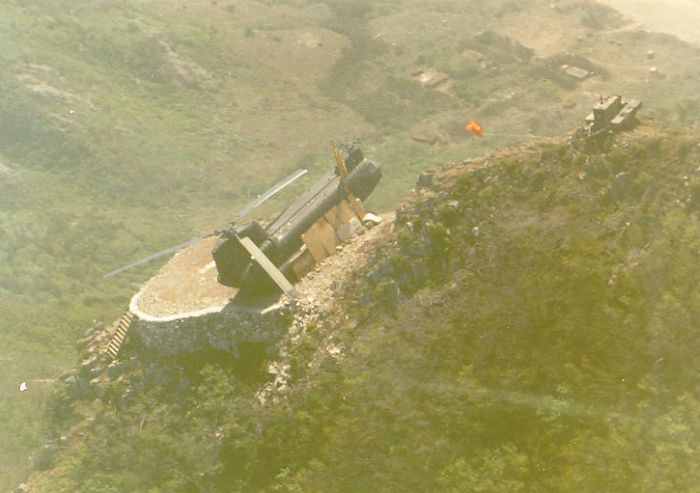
[(475, 128)]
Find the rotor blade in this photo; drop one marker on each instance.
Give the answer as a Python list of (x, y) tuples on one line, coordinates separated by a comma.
[(269, 194), (243, 213), (162, 253)]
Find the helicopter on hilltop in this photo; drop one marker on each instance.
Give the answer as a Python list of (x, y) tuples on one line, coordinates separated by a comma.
[(257, 258)]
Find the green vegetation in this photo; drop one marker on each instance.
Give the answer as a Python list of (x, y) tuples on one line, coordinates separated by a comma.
[(544, 340), (131, 126)]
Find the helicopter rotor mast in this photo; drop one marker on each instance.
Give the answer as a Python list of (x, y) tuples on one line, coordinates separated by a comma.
[(343, 174)]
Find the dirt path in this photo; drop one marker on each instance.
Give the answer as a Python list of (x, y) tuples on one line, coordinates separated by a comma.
[(678, 17)]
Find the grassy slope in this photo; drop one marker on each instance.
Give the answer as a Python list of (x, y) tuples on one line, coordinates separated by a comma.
[(122, 117), (553, 349)]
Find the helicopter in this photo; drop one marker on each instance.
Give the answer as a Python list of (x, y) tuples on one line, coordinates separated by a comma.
[(260, 259)]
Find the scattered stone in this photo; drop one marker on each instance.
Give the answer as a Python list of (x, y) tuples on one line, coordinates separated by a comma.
[(348, 230), (654, 72), (334, 350), (22, 488), (370, 220), (88, 364), (116, 368), (71, 380), (430, 78)]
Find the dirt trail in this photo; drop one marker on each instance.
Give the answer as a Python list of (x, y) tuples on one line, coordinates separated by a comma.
[(680, 18)]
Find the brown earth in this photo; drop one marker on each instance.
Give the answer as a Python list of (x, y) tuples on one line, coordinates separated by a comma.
[(187, 283)]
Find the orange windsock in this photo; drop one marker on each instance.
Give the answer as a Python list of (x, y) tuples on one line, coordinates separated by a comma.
[(475, 128)]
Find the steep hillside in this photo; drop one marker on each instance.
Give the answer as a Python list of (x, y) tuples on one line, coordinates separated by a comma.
[(131, 125), (529, 326)]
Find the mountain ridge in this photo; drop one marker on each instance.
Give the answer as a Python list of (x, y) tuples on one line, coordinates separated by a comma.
[(519, 328)]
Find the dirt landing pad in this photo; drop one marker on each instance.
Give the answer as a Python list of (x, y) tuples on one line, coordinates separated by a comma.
[(185, 287)]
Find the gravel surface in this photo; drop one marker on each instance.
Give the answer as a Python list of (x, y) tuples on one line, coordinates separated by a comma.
[(187, 283), (320, 285)]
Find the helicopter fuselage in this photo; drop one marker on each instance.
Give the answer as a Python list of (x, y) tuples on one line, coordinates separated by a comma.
[(282, 237)]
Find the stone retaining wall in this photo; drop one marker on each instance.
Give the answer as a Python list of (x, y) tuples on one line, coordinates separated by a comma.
[(221, 331)]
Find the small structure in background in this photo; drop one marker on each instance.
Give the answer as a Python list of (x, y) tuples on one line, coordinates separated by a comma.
[(429, 78), (610, 116), (577, 73)]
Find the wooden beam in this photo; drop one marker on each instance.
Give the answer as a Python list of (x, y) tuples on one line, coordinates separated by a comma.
[(321, 239), (267, 265)]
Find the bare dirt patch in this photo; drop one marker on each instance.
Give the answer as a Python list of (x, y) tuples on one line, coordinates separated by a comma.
[(5, 171), (187, 283), (548, 32), (185, 67), (304, 53), (680, 18), (45, 89)]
